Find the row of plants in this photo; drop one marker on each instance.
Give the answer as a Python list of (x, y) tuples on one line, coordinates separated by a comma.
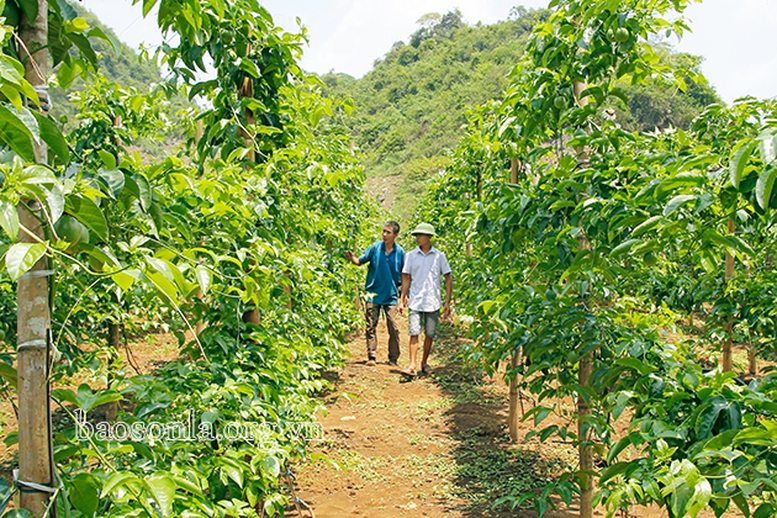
[(583, 248), (233, 243)]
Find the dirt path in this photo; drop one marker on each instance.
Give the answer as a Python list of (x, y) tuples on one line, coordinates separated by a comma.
[(435, 446)]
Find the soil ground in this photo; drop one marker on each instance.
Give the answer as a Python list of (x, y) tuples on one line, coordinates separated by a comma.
[(433, 446)]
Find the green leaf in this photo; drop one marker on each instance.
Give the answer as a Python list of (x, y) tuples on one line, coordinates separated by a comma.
[(765, 185), (613, 470), (21, 257), (114, 178), (188, 485), (55, 200), (162, 488), (163, 285), (96, 32), (65, 395), (9, 374), (29, 8), (84, 493), (250, 67), (539, 412), (271, 465), (204, 278), (624, 247), (108, 158), (87, 212), (52, 136), (636, 365), (15, 134), (83, 44), (756, 436), (767, 145), (125, 278), (117, 480), (147, 6), (739, 160), (676, 202), (9, 220), (765, 511), (646, 226), (144, 191)]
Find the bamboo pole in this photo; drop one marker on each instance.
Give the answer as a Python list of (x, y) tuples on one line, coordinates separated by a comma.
[(33, 318)]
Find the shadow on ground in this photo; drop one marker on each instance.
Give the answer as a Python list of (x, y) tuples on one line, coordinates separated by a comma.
[(488, 465)]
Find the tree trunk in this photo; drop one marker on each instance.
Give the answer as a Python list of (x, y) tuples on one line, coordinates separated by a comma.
[(751, 360), (33, 327), (514, 170)]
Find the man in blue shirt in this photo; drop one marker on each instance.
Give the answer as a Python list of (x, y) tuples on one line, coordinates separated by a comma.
[(385, 260)]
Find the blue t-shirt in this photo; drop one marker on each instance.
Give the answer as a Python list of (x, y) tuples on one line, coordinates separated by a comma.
[(384, 272)]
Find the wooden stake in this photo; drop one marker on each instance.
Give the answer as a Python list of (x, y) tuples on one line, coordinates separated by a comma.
[(247, 90), (114, 337), (514, 419), (726, 360), (33, 318), (585, 449)]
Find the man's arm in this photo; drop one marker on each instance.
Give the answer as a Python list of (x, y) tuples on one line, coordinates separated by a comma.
[(405, 288), (355, 260), (448, 292)]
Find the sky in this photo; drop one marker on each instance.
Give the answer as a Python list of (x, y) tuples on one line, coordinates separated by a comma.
[(737, 38)]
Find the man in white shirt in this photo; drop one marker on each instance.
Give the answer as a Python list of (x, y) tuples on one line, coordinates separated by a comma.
[(421, 275)]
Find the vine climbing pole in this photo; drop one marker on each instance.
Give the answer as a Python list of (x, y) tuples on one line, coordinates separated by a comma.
[(36, 471), (726, 360), (513, 417), (585, 368)]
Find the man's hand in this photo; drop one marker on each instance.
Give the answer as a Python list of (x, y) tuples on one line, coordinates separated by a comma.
[(446, 312), (355, 260)]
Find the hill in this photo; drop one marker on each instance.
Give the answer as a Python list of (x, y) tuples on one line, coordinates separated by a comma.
[(410, 109)]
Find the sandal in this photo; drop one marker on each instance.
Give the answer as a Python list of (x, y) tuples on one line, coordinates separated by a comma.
[(409, 373)]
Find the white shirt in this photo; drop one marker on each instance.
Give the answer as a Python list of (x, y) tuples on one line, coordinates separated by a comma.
[(425, 272)]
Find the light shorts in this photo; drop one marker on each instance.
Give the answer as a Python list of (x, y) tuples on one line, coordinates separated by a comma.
[(429, 319)]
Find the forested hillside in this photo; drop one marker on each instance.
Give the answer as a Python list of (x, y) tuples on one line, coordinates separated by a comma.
[(411, 109)]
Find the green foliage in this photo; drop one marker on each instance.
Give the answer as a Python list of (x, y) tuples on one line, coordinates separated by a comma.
[(601, 225), (414, 104), (252, 217)]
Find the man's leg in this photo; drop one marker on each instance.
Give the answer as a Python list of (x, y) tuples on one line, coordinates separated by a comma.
[(414, 327), (372, 314), (430, 331), (392, 323)]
